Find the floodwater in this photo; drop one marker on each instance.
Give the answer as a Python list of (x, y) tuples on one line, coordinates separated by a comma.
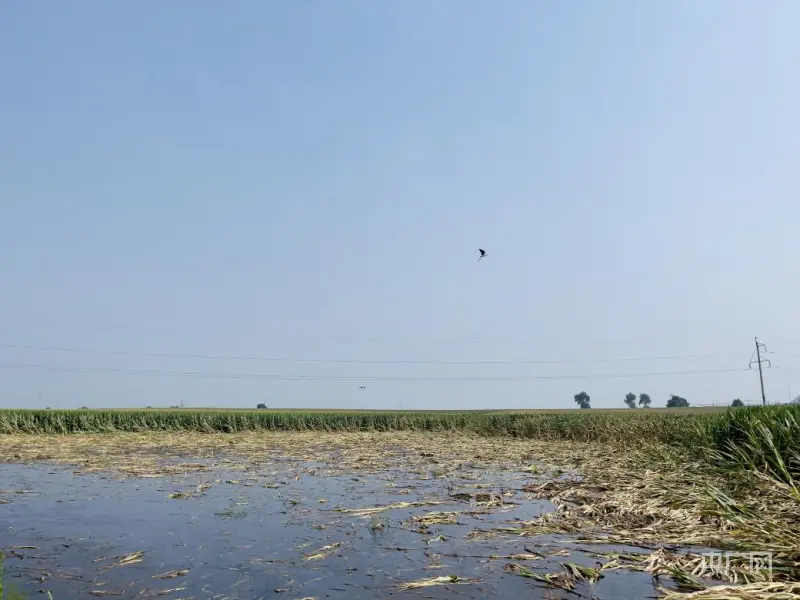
[(279, 532)]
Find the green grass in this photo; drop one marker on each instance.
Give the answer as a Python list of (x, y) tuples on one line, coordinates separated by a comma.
[(752, 437)]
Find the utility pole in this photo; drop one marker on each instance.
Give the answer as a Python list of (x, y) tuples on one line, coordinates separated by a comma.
[(759, 360)]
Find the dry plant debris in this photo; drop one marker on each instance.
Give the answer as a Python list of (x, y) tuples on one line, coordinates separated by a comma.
[(323, 552), (431, 581)]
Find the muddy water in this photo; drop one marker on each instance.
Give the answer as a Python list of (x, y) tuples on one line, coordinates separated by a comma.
[(277, 532)]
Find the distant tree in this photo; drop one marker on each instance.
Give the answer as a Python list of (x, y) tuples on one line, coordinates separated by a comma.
[(677, 402), (261, 406), (583, 400), (47, 408), (84, 408), (644, 400), (630, 400), (737, 402)]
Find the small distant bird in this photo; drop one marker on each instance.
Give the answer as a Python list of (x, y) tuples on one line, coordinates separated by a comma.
[(363, 387), (483, 253)]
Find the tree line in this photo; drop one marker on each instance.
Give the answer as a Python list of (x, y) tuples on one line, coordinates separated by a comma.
[(583, 400)]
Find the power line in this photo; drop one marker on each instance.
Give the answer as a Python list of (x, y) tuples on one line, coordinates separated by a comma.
[(359, 361), (273, 376), (783, 353), (347, 338)]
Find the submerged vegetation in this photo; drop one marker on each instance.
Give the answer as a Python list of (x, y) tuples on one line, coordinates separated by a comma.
[(653, 509), (752, 437), (8, 592), (673, 483)]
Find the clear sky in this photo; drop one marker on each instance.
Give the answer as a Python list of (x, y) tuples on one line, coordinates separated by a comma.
[(312, 180)]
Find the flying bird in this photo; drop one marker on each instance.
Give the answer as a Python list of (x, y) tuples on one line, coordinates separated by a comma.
[(363, 387), (483, 253)]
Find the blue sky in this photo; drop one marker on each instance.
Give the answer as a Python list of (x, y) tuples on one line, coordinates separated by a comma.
[(312, 181)]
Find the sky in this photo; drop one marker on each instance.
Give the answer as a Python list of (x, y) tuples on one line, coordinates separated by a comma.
[(280, 202)]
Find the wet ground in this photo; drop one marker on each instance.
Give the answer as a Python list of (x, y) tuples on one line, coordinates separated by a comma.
[(286, 529)]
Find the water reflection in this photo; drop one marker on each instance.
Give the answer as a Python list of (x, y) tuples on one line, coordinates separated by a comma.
[(278, 532)]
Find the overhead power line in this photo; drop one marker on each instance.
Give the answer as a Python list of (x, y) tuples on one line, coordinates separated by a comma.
[(361, 361), (170, 326), (274, 376)]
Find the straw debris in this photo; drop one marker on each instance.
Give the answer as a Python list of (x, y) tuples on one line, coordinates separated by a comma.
[(753, 591), (432, 581), (129, 559), (172, 574), (323, 552), (368, 512)]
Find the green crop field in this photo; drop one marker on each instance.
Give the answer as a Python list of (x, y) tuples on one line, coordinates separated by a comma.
[(691, 409), (619, 426)]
